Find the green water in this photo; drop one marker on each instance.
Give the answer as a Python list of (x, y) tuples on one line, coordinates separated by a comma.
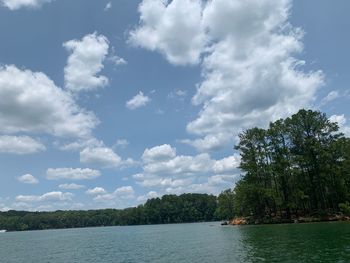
[(203, 242)]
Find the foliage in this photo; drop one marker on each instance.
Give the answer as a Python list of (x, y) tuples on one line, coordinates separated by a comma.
[(168, 209), (345, 208), (226, 209), (299, 165)]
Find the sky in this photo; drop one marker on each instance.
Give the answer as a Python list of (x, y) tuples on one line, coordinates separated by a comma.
[(104, 104)]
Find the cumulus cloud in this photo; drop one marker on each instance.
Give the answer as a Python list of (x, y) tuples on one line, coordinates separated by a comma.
[(164, 169), (172, 28), (20, 145), (227, 164), (96, 191), (137, 101), (27, 179), (31, 102), (210, 142), (16, 4), (72, 174), (250, 73), (85, 62), (159, 153), (51, 196), (71, 186), (101, 156), (121, 197), (104, 157)]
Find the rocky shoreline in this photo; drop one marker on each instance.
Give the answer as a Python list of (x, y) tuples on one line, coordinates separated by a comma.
[(302, 219)]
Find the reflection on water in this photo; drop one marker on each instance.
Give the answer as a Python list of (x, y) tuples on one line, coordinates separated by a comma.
[(202, 243), (317, 242)]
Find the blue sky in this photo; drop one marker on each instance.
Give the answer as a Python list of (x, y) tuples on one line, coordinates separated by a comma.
[(108, 103)]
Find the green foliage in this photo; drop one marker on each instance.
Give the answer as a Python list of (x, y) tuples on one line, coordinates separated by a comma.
[(225, 209), (168, 209), (345, 208), (299, 165)]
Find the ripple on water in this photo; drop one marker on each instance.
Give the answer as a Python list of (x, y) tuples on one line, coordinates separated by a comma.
[(202, 242)]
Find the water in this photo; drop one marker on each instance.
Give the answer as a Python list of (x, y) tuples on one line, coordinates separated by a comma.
[(203, 242)]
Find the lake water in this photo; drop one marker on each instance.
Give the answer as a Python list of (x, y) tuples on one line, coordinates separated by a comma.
[(202, 242)]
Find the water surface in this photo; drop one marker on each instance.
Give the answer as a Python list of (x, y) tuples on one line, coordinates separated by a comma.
[(202, 242)]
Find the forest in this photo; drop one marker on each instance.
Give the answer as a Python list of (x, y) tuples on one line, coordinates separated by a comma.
[(185, 208), (298, 166)]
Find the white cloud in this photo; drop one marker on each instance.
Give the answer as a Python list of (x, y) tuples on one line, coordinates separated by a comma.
[(206, 187), (96, 191), (117, 60), (214, 185), (179, 94), (48, 205), (172, 28), (101, 156), (340, 119), (104, 157), (122, 143), (51, 196), (137, 101), (27, 179), (125, 191), (163, 160), (122, 197), (4, 208), (342, 123), (161, 152), (244, 90), (71, 186), (210, 142), (20, 145), (250, 72), (108, 6), (334, 94), (72, 174), (149, 195), (16, 4), (222, 179), (30, 102), (180, 165), (227, 164), (80, 144), (165, 170), (85, 62)]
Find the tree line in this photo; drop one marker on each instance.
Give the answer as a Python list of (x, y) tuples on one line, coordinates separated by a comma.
[(297, 166), (185, 208)]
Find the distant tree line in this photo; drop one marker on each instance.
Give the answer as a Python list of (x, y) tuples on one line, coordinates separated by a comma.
[(298, 166), (168, 209)]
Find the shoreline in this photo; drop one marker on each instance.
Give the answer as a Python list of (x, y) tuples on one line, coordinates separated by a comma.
[(107, 226), (272, 221)]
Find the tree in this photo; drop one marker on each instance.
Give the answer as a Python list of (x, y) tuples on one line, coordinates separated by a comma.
[(225, 209), (297, 165)]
